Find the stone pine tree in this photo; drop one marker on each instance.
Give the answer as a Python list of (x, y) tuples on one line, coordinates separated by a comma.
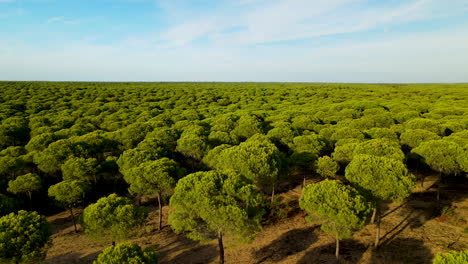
[(26, 184), (69, 194), (340, 208), (327, 167), (112, 217), (382, 179), (210, 205), (23, 237), (442, 156), (257, 159), (154, 177), (127, 253)]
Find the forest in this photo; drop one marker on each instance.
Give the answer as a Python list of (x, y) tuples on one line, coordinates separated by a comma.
[(217, 163)]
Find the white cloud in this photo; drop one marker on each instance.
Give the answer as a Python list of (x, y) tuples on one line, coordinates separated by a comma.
[(283, 20), (63, 20), (55, 19), (420, 57)]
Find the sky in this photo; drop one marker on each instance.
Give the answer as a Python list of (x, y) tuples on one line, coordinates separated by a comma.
[(377, 41)]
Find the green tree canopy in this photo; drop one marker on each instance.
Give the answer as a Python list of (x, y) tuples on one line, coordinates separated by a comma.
[(344, 153), (26, 184), (340, 208), (247, 126), (257, 159), (443, 156), (112, 217), (382, 178), (414, 137), (380, 147), (208, 205), (424, 123), (23, 237), (312, 143), (193, 142), (452, 257), (80, 169), (154, 177), (69, 194), (440, 155), (127, 253), (327, 167)]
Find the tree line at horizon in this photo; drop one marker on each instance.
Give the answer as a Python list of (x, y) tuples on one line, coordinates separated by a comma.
[(224, 148)]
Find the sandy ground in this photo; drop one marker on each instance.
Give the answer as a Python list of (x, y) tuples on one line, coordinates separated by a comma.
[(411, 233)]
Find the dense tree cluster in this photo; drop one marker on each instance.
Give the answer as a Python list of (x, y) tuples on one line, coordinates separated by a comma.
[(98, 144)]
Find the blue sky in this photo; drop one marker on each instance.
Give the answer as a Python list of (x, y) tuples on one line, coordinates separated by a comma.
[(234, 40)]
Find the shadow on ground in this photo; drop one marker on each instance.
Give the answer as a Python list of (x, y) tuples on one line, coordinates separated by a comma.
[(289, 243), (72, 258), (351, 251), (402, 250)]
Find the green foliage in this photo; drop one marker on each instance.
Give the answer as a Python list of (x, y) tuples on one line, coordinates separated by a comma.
[(193, 142), (129, 253), (383, 178), (257, 159), (346, 132), (312, 143), (53, 156), (207, 203), (378, 132), (327, 167), (69, 193), (441, 155), (426, 124), (80, 169), (414, 137), (153, 177), (340, 208), (112, 217), (247, 126), (27, 184), (452, 257), (23, 237), (14, 131), (380, 147), (344, 153)]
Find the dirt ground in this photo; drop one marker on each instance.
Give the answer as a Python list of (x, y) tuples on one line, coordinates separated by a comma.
[(411, 233)]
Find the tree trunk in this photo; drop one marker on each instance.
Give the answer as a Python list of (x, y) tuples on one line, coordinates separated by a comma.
[(73, 219), (303, 182), (373, 215), (160, 211), (139, 199), (438, 190), (337, 250), (273, 194), (377, 231), (221, 248), (30, 200)]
